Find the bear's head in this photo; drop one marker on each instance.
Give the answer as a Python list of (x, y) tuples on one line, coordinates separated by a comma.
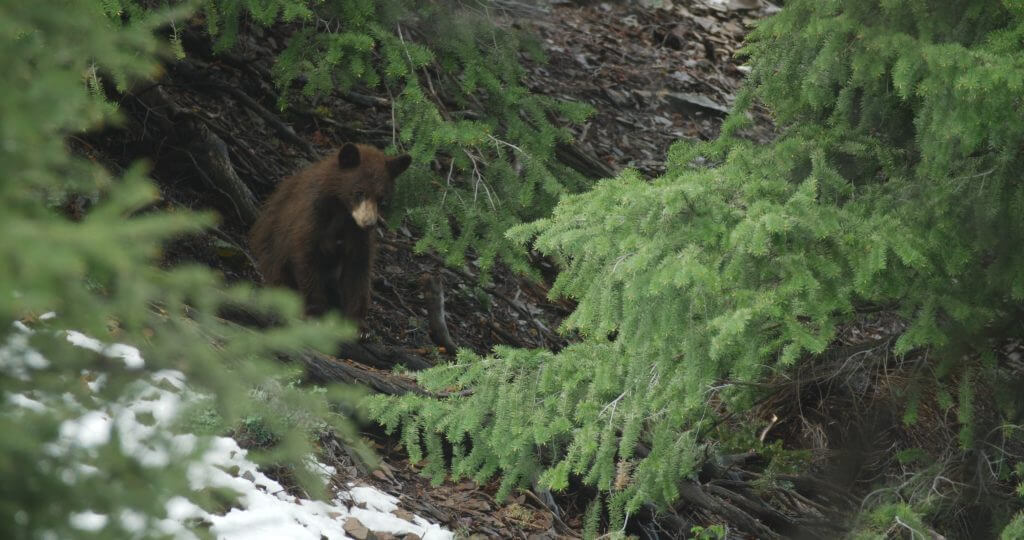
[(367, 180)]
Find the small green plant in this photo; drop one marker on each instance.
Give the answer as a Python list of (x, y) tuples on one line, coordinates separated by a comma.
[(711, 532), (254, 432), (201, 418)]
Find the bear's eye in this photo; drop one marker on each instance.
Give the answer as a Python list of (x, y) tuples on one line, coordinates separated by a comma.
[(360, 195)]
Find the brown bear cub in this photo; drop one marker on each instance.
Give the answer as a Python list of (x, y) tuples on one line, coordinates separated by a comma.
[(316, 233)]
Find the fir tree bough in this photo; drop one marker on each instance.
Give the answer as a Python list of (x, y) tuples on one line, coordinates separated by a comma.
[(454, 80), (100, 277), (895, 182)]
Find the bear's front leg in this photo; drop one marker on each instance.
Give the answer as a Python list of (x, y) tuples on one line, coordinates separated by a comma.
[(354, 293), (315, 293)]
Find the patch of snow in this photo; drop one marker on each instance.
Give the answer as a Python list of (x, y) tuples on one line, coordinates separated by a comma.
[(267, 517), (133, 521), (93, 381), (17, 358), (88, 521), (85, 469), (267, 511), (25, 402), (130, 355), (79, 339), (90, 430), (172, 376), (173, 524), (264, 509), (151, 445), (324, 471), (378, 517), (382, 522), (372, 498), (181, 509)]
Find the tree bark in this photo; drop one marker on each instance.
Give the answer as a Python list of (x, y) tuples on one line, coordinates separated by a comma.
[(322, 369)]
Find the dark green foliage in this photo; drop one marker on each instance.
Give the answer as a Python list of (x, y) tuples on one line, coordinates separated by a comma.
[(483, 145), (496, 165), (99, 276), (454, 78), (895, 182)]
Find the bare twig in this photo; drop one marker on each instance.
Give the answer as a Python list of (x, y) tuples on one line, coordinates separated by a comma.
[(282, 129), (434, 293), (479, 177)]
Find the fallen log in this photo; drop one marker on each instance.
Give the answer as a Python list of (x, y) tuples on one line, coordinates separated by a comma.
[(283, 130), (206, 150), (322, 369), (693, 494), (382, 356), (582, 162)]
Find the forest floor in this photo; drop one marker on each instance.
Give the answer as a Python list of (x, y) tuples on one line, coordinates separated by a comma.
[(653, 76)]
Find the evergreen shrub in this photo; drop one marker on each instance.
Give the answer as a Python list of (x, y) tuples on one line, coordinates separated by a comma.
[(483, 145), (895, 183), (493, 155), (100, 276)]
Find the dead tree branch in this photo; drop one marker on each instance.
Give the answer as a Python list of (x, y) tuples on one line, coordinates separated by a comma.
[(433, 290)]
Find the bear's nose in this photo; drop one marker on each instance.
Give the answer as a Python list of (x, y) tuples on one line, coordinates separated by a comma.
[(365, 213)]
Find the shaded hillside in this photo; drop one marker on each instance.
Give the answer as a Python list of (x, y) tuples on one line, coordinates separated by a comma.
[(217, 138)]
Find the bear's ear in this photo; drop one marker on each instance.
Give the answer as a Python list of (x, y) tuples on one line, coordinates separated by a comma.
[(348, 156), (398, 165)]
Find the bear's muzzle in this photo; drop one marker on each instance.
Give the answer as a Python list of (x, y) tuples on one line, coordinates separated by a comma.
[(366, 213)]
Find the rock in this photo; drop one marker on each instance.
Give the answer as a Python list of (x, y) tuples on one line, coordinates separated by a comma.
[(744, 4), (354, 528), (690, 103), (682, 77), (674, 38), (403, 514), (618, 98)]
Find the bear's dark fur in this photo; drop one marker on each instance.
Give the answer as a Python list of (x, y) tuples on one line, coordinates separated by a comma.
[(316, 232)]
